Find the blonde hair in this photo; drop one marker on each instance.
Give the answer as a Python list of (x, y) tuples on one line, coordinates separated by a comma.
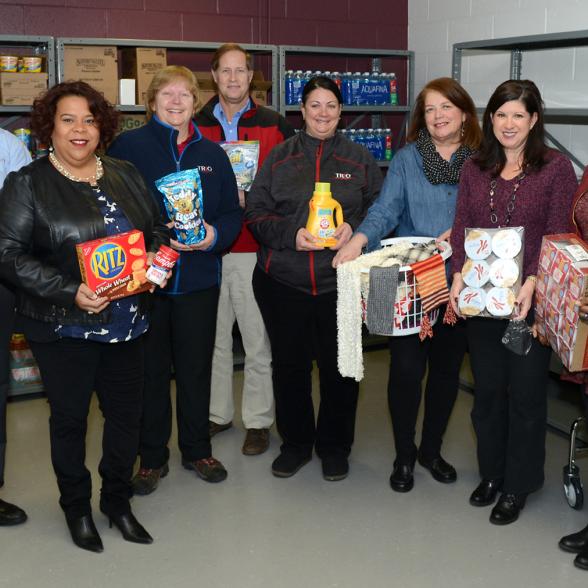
[(164, 77)]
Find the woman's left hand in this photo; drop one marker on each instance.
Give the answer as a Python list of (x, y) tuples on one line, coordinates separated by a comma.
[(204, 244), (445, 236), (342, 234), (524, 300)]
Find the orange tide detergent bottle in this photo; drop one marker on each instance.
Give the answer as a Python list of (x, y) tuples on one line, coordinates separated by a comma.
[(324, 211)]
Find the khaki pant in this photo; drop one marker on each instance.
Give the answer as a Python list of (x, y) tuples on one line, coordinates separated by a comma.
[(237, 302)]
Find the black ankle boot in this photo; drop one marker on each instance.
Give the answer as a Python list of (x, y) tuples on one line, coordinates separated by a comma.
[(440, 470), (130, 527), (485, 493), (10, 514), (84, 534), (576, 542), (402, 478), (581, 560), (508, 509)]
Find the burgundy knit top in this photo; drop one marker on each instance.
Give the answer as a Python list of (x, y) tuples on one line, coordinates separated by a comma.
[(543, 205)]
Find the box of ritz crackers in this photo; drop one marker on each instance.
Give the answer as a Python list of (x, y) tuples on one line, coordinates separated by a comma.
[(114, 267), (562, 279)]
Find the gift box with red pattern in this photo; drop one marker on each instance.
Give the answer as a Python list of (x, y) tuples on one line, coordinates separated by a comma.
[(562, 280)]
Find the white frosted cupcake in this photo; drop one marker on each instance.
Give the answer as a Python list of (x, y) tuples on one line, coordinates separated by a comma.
[(506, 243), (478, 244), (500, 301), (504, 273), (475, 273), (471, 301)]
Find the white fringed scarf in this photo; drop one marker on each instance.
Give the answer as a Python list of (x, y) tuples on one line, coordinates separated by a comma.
[(349, 310)]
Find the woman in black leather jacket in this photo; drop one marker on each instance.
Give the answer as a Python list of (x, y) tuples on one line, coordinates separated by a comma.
[(81, 342)]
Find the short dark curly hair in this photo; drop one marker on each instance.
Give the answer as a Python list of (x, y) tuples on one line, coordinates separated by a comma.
[(45, 107)]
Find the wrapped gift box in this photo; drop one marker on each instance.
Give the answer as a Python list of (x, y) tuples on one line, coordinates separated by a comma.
[(562, 280)]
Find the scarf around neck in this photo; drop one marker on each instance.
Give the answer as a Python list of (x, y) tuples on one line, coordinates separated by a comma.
[(438, 170)]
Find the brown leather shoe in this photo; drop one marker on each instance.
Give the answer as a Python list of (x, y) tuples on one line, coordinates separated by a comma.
[(208, 468), (256, 441), (214, 428), (146, 480)]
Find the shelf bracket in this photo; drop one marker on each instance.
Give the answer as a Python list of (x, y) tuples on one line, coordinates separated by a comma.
[(567, 152), (516, 64)]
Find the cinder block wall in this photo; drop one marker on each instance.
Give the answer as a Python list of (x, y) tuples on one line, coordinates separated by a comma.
[(562, 75)]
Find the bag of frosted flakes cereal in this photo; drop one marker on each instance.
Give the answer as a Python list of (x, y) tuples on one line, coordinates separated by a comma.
[(182, 195)]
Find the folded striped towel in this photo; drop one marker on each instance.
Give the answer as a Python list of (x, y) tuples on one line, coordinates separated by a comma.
[(431, 282)]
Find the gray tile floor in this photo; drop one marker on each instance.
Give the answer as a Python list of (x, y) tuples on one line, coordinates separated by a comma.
[(257, 530)]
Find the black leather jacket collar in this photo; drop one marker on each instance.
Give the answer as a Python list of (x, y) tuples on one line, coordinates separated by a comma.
[(43, 215)]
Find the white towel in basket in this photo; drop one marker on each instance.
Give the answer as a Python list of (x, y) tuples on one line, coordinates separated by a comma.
[(349, 313)]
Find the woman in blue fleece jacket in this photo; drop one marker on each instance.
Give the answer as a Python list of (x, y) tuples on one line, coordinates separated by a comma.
[(183, 317)]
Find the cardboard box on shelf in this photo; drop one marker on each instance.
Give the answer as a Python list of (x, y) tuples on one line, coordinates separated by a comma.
[(142, 63), (20, 89), (259, 87), (563, 274), (95, 64)]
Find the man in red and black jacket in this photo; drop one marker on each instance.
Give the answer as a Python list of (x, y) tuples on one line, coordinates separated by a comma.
[(232, 115)]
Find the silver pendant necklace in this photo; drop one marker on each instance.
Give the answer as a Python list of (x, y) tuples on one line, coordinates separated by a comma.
[(511, 203)]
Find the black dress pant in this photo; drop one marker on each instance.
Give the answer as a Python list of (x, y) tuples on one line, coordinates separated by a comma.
[(71, 369), (293, 320), (182, 331), (409, 359), (6, 326), (510, 407)]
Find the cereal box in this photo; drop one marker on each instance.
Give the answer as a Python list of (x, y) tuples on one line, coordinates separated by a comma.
[(115, 267), (563, 275)]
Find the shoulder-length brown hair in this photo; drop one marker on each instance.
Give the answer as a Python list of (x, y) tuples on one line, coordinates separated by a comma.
[(45, 107), (456, 94), (491, 154)]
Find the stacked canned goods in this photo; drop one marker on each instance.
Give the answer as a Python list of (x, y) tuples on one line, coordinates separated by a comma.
[(14, 63)]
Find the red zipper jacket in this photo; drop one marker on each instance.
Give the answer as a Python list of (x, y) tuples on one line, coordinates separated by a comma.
[(256, 124)]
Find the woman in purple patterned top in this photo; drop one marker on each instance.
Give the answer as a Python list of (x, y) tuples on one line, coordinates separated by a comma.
[(514, 180)]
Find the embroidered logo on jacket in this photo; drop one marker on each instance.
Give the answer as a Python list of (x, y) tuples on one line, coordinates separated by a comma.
[(341, 176)]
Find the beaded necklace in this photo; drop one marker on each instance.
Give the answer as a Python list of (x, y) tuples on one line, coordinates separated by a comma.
[(92, 180), (511, 203)]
